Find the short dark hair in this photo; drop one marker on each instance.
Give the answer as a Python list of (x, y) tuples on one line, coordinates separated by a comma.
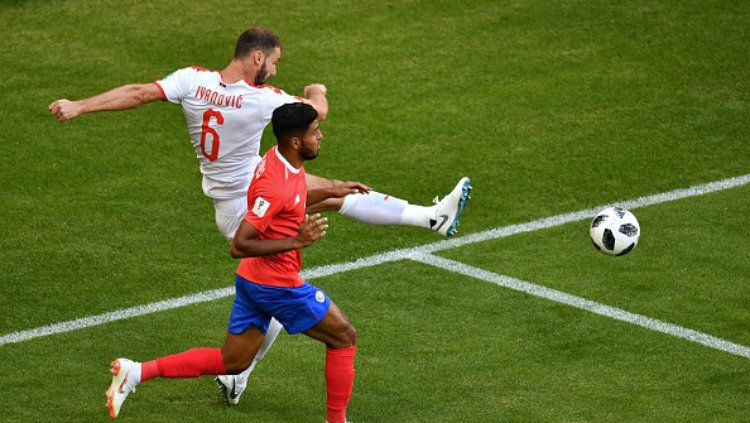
[(262, 39), (292, 119)]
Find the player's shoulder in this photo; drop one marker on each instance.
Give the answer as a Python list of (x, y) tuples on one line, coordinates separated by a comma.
[(271, 163), (273, 97), (269, 89), (266, 172), (193, 71), (267, 188)]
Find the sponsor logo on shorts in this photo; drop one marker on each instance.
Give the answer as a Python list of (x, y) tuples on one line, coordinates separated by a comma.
[(320, 296)]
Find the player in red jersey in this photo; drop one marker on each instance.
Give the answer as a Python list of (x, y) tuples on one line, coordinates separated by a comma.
[(226, 113), (268, 283)]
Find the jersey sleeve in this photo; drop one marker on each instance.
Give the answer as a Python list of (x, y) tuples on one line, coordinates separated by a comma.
[(177, 85), (274, 98), (263, 203)]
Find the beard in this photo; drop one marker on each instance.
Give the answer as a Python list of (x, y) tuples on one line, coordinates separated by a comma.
[(308, 153), (262, 75)]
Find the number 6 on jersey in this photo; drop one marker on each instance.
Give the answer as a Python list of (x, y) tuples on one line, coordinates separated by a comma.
[(206, 129)]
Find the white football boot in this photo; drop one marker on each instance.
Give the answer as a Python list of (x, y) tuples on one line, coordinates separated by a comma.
[(449, 209), (229, 388), (126, 374), (232, 386)]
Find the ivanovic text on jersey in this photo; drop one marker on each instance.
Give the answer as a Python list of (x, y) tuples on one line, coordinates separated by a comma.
[(225, 122)]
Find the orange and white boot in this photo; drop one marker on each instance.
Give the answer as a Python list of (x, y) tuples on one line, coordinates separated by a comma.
[(126, 374)]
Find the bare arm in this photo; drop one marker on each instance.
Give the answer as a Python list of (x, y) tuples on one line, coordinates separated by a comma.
[(120, 98), (315, 95), (246, 244)]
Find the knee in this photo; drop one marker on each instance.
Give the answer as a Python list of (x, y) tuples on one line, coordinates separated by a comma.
[(347, 337), (351, 333)]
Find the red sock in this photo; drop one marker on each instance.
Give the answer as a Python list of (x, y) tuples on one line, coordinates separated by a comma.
[(339, 381), (191, 363)]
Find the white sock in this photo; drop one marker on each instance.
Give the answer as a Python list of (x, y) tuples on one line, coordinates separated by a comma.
[(274, 328), (376, 208), (418, 216), (241, 379)]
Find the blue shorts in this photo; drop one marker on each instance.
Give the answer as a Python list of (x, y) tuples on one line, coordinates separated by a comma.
[(298, 309)]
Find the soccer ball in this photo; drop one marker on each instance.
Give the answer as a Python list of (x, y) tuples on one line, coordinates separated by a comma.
[(615, 231)]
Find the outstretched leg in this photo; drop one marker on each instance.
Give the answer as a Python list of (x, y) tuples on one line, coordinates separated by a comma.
[(236, 355), (376, 208)]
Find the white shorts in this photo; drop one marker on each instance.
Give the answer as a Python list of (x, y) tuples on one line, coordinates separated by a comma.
[(229, 215), (231, 211)]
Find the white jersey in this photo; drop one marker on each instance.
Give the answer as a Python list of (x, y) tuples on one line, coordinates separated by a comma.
[(225, 123)]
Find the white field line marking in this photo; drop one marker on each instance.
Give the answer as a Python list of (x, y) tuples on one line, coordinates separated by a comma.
[(116, 315), (562, 219), (582, 303), (376, 259)]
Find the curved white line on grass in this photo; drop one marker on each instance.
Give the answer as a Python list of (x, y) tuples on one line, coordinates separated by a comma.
[(584, 304), (394, 255)]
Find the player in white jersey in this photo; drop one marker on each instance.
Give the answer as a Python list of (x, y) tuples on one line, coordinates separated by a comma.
[(226, 113), (225, 120)]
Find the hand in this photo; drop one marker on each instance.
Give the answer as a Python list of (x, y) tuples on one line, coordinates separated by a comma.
[(315, 89), (64, 109), (345, 188), (312, 228)]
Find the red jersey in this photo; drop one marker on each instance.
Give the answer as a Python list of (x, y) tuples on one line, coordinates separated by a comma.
[(276, 202)]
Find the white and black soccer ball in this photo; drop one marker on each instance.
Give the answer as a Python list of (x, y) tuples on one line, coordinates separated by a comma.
[(615, 231)]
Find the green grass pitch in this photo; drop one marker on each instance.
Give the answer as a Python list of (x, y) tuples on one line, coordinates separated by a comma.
[(550, 107)]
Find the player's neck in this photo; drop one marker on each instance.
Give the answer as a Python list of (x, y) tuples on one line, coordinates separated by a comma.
[(237, 71), (291, 156)]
